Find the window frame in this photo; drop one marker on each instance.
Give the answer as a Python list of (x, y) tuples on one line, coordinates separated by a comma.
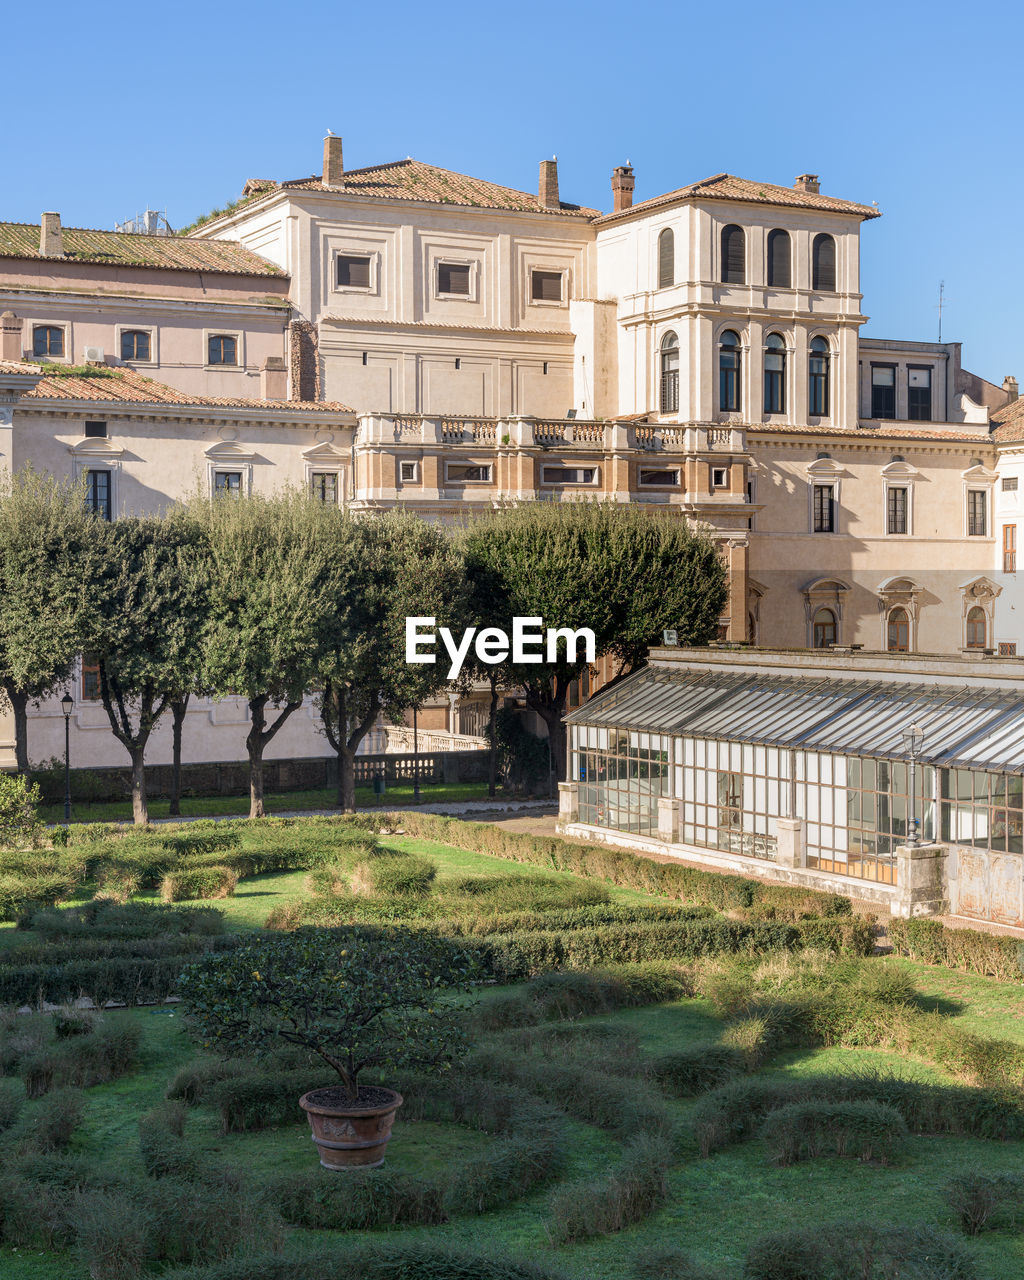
[(883, 417), (48, 327), (350, 255), (89, 667), (666, 259), (321, 474), (725, 276), (232, 491), (818, 624), (817, 511), (778, 235), (904, 625), (817, 244), (930, 370), (569, 466), (469, 265), (450, 480), (209, 335), (774, 398), (819, 382), (413, 463), (730, 378), (536, 301), (716, 485), (973, 493), (1010, 548), (104, 508), (124, 330), (974, 616), (668, 378), (890, 490), (658, 484)]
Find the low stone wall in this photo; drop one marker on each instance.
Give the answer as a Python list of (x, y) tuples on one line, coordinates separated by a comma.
[(231, 778)]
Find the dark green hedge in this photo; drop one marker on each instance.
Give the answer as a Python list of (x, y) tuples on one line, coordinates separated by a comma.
[(994, 955)]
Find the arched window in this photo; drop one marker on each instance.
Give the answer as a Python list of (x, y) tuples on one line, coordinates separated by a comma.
[(823, 256), (898, 631), (729, 372), (670, 373), (976, 628), (774, 374), (817, 374), (778, 259), (751, 629), (666, 259), (733, 255), (824, 628)]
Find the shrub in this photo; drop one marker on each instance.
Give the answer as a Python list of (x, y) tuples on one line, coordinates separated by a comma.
[(379, 1198), (20, 895), (69, 1022), (164, 1151), (199, 882), (129, 981), (104, 1054), (394, 875), (663, 1262), (993, 955), (112, 1234), (127, 921), (572, 995), (630, 1194), (20, 824), (977, 1196), (805, 1130), (55, 1120), (698, 1068), (12, 1097), (839, 936), (842, 1250), (261, 1099), (191, 1083), (209, 1221)]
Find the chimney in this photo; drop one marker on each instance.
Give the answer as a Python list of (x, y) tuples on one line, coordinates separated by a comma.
[(1010, 387), (10, 337), (51, 238), (274, 379), (334, 166), (547, 187), (622, 188), (808, 184)]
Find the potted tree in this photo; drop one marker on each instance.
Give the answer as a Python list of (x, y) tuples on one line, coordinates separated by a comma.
[(358, 999)]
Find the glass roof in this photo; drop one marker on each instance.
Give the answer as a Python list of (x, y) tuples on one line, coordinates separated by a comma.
[(963, 725)]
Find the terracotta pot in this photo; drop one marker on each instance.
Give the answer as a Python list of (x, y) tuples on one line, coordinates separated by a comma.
[(351, 1135)]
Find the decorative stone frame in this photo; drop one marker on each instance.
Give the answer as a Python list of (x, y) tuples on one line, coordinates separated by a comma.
[(351, 250), (154, 353), (980, 592), (756, 592), (228, 455), (93, 453), (979, 478), (239, 336), (324, 457), (899, 592), (450, 260), (824, 471), (824, 593), (898, 475)]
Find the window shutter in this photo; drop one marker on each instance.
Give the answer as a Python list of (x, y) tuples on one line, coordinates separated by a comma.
[(666, 259), (546, 286), (733, 255), (779, 259), (353, 272), (824, 264)]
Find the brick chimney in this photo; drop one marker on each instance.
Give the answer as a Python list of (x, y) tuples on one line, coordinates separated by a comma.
[(1010, 387), (51, 237), (334, 166), (547, 186), (10, 337), (274, 379), (622, 188), (808, 184)]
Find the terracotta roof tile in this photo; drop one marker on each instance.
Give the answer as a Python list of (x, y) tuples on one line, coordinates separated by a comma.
[(128, 387), (415, 180), (19, 366), (1009, 422), (725, 186), (873, 433), (128, 249)]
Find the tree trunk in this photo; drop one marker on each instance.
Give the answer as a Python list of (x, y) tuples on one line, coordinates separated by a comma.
[(258, 737), (178, 710), (551, 709), (346, 779), (492, 734), (19, 706), (140, 810)]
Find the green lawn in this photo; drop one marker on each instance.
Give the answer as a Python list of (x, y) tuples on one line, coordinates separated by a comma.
[(275, 802), (717, 1207)]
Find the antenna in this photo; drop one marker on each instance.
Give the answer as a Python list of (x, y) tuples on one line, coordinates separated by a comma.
[(942, 291)]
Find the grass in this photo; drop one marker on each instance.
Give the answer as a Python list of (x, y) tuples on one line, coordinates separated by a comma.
[(275, 802), (717, 1208)]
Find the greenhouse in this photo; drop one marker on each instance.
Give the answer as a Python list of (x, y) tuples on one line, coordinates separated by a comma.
[(732, 760)]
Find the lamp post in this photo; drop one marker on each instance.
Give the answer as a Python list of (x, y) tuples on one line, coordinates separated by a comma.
[(913, 741), (415, 758), (67, 705)]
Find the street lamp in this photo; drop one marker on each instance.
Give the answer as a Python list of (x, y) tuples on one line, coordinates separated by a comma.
[(415, 758), (913, 742), (67, 705)]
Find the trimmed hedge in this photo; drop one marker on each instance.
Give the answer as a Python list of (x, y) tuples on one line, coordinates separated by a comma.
[(105, 1054), (842, 1250), (128, 981), (394, 875), (862, 1130), (191, 883), (126, 921), (698, 1068), (262, 1098), (715, 889), (994, 955), (568, 995), (631, 1193), (978, 1198)]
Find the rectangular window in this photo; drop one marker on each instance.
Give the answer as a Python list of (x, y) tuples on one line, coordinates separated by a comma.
[(977, 513), (665, 478), (47, 340), (919, 394), (97, 493), (546, 286), (325, 487), (96, 431), (883, 391), (90, 677), (824, 508), (719, 477), (227, 482), (1009, 484), (407, 472), (568, 475), (453, 277), (730, 799), (1009, 548), (896, 507), (222, 348), (1007, 648), (467, 473), (135, 344), (353, 271)]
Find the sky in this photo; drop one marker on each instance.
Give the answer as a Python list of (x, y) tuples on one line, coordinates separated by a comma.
[(914, 105)]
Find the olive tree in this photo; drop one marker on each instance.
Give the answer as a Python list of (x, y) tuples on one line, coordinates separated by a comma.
[(624, 571)]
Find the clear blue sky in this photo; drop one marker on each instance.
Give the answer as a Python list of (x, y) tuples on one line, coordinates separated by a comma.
[(915, 105)]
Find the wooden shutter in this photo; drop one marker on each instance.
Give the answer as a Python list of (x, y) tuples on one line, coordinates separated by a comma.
[(733, 255), (666, 259), (452, 278), (824, 264), (546, 286), (353, 272), (779, 259)]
